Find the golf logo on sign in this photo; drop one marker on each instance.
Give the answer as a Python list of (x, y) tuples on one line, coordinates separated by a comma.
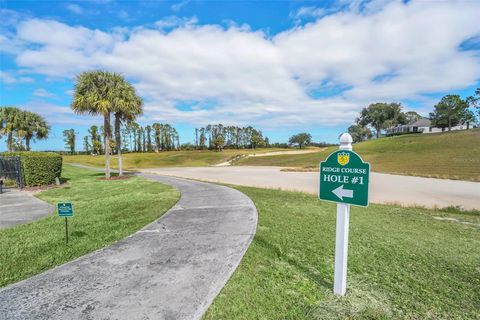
[(344, 178), (343, 158)]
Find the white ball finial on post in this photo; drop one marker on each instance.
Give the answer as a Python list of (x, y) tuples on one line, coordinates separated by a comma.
[(346, 141)]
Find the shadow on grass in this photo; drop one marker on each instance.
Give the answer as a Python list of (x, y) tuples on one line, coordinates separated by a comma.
[(64, 180), (459, 210), (78, 234)]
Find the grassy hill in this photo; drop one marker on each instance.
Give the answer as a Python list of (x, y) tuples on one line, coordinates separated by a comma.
[(452, 155), (166, 159)]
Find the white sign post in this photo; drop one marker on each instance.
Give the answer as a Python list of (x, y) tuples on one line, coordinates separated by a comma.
[(341, 242)]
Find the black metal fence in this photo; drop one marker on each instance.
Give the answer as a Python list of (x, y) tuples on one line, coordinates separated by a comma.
[(11, 168)]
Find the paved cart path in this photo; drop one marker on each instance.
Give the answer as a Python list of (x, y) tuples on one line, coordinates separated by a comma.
[(384, 188), (18, 207), (171, 269)]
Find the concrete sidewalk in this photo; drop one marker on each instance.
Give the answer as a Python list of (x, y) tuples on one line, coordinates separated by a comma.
[(384, 188), (18, 207), (171, 269)]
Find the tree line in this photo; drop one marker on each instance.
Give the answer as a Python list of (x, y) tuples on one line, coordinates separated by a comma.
[(450, 111), (22, 127), (219, 137), (136, 138)]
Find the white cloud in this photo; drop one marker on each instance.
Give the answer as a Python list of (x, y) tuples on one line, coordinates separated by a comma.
[(179, 5), (175, 22), (58, 114), (10, 78), (42, 93), (417, 41), (64, 50), (307, 13), (75, 8), (381, 50)]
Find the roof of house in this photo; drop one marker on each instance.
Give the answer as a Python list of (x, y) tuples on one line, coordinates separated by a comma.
[(424, 122)]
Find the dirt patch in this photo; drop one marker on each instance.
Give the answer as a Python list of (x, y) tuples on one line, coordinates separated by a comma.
[(38, 189)]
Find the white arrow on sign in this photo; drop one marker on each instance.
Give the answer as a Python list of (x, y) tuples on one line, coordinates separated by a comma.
[(341, 193)]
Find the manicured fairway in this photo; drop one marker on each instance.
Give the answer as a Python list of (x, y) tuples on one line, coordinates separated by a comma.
[(452, 155), (404, 263), (167, 159), (105, 211)]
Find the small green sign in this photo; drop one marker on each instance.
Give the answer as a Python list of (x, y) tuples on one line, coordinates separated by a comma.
[(65, 209), (344, 178)]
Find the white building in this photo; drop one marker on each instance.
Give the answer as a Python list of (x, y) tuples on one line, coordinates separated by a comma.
[(423, 125)]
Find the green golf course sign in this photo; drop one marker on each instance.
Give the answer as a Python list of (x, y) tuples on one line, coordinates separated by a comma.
[(65, 209), (344, 178)]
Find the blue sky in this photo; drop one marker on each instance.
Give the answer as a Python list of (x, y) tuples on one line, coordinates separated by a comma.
[(281, 66)]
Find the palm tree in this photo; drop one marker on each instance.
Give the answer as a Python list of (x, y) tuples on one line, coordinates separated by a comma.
[(69, 138), (86, 145), (34, 127), (127, 107), (156, 128), (196, 138), (208, 131), (96, 93), (11, 120), (96, 143), (149, 138)]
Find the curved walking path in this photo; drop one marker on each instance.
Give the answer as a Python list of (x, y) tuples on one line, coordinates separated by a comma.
[(171, 269), (19, 207)]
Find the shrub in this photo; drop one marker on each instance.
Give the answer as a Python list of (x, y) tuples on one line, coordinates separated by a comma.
[(39, 168)]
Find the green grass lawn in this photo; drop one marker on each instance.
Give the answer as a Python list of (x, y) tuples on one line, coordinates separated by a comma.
[(452, 155), (404, 263), (167, 159), (105, 211)]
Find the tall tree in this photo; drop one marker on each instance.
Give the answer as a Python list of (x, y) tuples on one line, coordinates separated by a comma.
[(474, 101), (139, 138), (218, 142), (208, 131), (11, 120), (127, 106), (69, 138), (412, 116), (374, 115), (134, 129), (95, 138), (448, 111), (467, 117), (148, 130), (196, 138), (157, 128), (257, 141), (202, 138), (86, 145), (33, 126), (381, 115), (95, 94), (359, 133), (301, 139)]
